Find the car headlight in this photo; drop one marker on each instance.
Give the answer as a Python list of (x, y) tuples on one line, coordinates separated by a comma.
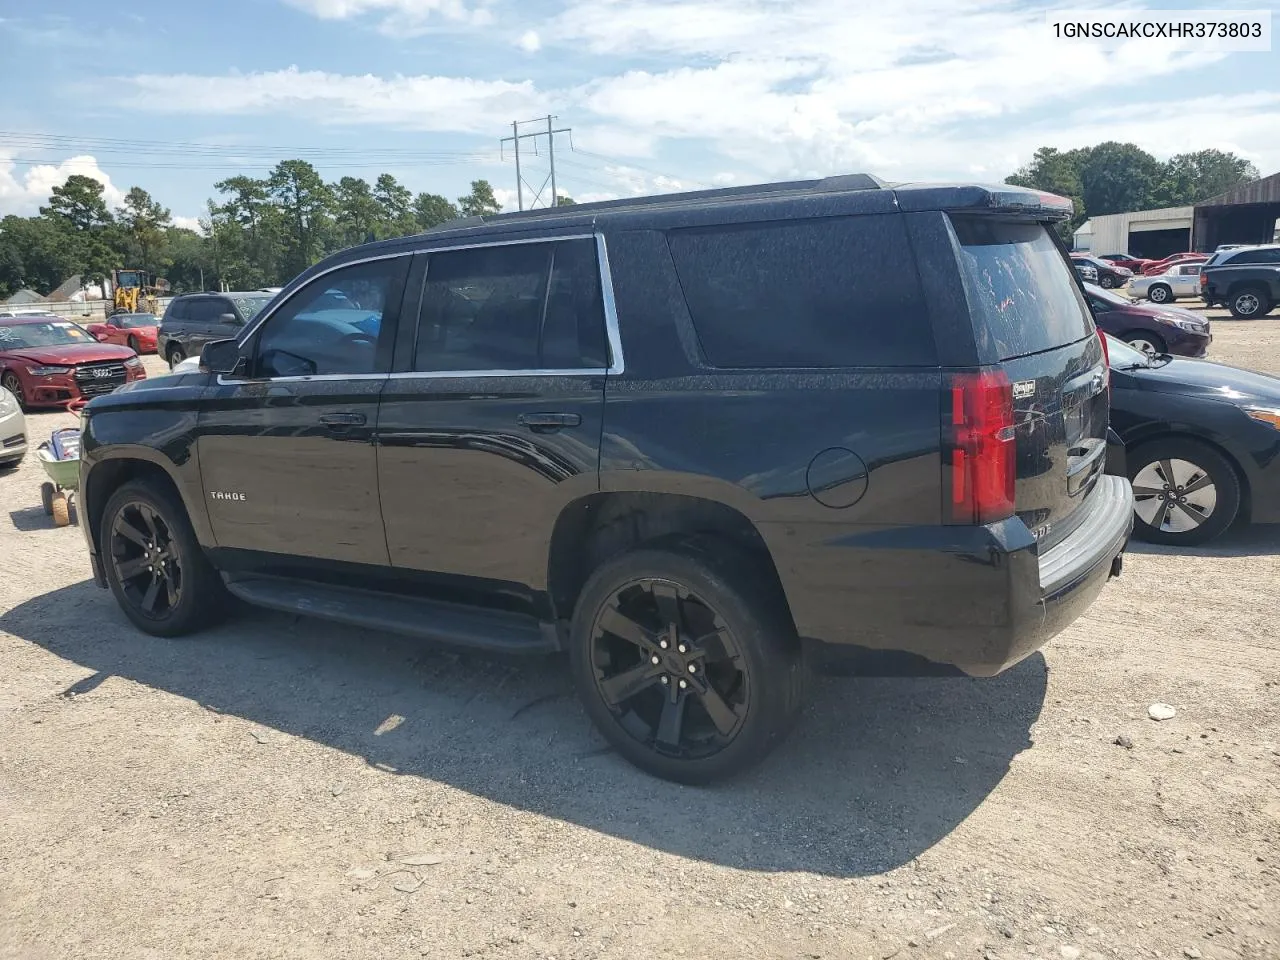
[(47, 371), (1191, 326), (134, 361), (1268, 415)]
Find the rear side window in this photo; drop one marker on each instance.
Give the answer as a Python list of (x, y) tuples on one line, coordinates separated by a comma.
[(1023, 294), (1255, 256), (177, 310), (831, 292), (515, 307)]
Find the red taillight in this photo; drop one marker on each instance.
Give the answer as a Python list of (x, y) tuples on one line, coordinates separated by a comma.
[(983, 453)]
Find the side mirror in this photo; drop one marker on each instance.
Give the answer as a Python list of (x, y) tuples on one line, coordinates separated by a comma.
[(221, 356), (229, 318)]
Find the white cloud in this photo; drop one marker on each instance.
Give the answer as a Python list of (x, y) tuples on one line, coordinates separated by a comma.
[(400, 17), (25, 193), (420, 103), (529, 41), (189, 223)]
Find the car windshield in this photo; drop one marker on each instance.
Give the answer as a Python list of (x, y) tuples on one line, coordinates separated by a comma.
[(135, 321), (44, 333), (250, 307)]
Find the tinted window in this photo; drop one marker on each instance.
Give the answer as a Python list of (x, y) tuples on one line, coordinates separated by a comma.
[(491, 308), (332, 325), (1255, 256), (177, 310), (1023, 294), (205, 309), (837, 292)]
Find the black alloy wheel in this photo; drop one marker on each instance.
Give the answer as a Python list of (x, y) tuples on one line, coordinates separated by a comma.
[(146, 560), (669, 669), (686, 658), (154, 564)]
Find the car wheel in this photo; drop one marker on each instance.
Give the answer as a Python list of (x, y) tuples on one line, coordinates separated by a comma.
[(1107, 281), (154, 564), (176, 356), (1160, 293), (133, 343), (1248, 304), (1148, 343), (687, 661), (11, 383), (1185, 492)]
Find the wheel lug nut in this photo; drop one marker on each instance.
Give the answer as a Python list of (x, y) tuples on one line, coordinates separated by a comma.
[(655, 660), (663, 644), (693, 668), (684, 684), (666, 680), (682, 648)]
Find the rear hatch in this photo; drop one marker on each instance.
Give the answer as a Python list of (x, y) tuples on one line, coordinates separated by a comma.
[(1034, 329)]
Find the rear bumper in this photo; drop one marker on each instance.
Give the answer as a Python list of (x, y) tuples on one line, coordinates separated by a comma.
[(979, 599)]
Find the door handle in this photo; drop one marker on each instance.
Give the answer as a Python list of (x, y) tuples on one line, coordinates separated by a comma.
[(549, 421), (343, 419)]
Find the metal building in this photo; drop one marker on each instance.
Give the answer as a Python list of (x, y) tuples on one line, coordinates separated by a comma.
[(1245, 214), (1143, 233)]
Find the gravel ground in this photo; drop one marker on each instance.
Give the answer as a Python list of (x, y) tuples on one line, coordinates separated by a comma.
[(281, 787)]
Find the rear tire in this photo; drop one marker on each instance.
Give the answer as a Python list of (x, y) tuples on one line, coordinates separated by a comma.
[(704, 712), (1249, 304), (1160, 293), (175, 356), (155, 566), (1163, 471), (1107, 282)]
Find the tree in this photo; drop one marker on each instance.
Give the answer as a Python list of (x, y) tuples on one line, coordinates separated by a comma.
[(431, 210), (356, 211), (480, 202), (35, 252), (144, 222), (244, 229), (304, 202), (79, 204), (1118, 177), (564, 200), (1192, 177), (395, 202), (190, 265)]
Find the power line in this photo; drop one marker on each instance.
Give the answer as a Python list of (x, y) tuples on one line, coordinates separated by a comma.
[(550, 134)]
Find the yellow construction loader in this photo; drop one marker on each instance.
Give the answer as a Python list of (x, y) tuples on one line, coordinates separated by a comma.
[(133, 292)]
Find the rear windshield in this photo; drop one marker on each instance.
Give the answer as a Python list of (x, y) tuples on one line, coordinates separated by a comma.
[(249, 307), (1022, 289)]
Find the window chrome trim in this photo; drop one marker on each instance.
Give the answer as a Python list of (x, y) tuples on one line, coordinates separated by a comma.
[(612, 332)]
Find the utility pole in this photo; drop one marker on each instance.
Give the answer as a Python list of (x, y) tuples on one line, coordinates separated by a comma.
[(550, 134)]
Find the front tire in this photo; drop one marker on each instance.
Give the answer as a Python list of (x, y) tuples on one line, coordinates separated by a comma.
[(1185, 492), (155, 566), (1249, 304), (175, 356), (133, 343), (1148, 343), (1160, 293), (729, 681), (1107, 281), (11, 383)]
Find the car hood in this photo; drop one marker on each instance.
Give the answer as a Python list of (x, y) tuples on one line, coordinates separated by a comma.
[(1203, 378), (70, 354), (1160, 314)]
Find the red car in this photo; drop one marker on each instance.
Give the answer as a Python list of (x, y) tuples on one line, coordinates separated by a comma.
[(1160, 266), (48, 361), (137, 331), (1136, 264)]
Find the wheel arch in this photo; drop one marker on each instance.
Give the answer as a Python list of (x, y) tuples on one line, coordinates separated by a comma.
[(1165, 432), (107, 475), (1150, 335), (600, 526)]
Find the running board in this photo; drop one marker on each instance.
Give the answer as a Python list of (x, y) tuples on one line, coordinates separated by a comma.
[(496, 631)]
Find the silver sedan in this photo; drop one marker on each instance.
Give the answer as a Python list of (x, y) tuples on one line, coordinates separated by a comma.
[(13, 430), (1180, 280)]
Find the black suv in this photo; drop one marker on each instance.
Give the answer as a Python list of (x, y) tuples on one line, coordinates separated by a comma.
[(696, 441), (194, 319), (1246, 280)]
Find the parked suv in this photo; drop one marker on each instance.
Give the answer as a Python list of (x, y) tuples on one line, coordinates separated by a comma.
[(192, 320), (696, 441), (1246, 280)]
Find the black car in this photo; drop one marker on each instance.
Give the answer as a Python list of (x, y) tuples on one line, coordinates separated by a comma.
[(695, 441), (192, 320), (1110, 275), (1245, 280), (1202, 444)]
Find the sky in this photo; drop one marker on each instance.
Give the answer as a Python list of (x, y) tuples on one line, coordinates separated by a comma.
[(660, 95)]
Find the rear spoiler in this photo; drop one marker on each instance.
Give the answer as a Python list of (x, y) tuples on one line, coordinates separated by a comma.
[(1003, 198)]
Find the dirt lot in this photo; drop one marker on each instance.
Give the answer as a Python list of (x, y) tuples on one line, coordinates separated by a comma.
[(286, 788)]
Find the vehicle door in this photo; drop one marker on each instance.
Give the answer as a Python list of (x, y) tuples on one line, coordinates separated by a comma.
[(286, 443), (111, 332), (491, 423), (1187, 283)]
